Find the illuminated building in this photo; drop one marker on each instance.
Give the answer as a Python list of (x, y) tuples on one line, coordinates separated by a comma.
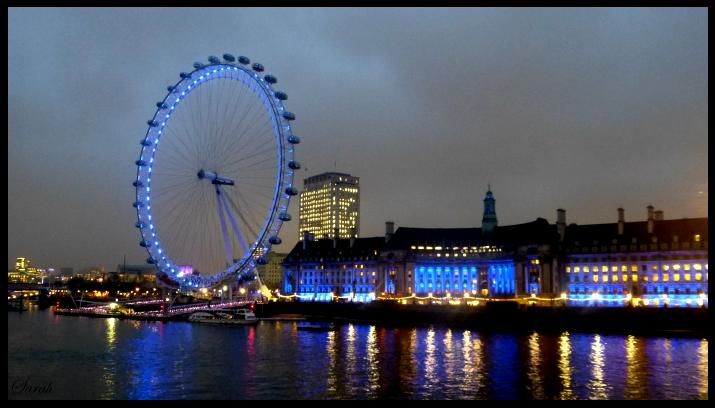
[(656, 262), (270, 273), (330, 203), (21, 264), (487, 261), (334, 269), (24, 273)]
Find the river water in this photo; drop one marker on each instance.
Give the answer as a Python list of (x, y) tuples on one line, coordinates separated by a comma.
[(65, 357)]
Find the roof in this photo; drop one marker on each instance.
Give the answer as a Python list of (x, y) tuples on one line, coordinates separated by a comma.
[(362, 249), (685, 229), (537, 231)]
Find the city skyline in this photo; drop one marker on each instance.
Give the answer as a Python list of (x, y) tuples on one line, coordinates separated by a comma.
[(426, 107)]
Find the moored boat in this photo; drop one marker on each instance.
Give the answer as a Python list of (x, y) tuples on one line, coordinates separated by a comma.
[(224, 316)]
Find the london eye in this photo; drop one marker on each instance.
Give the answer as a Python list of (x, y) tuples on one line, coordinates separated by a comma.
[(215, 173)]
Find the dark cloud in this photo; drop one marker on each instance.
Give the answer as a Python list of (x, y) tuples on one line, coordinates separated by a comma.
[(584, 109)]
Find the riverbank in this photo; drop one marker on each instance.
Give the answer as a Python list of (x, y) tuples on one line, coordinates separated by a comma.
[(506, 316)]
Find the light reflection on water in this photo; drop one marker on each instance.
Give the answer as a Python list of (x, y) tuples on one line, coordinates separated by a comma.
[(111, 358)]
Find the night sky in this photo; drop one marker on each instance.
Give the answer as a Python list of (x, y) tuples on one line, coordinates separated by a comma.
[(581, 109)]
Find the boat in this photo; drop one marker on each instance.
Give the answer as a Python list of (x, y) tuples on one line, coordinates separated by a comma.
[(317, 328), (224, 316)]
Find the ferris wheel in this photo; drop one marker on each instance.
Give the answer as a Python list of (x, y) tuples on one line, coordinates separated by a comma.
[(215, 173)]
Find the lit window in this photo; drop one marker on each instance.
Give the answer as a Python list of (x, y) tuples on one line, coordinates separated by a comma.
[(687, 277), (666, 277), (634, 268), (634, 278), (614, 268), (686, 267), (676, 277), (604, 268), (595, 278), (676, 267), (577, 269), (666, 267), (586, 269), (568, 269), (624, 268), (655, 278), (697, 237), (605, 278), (698, 277), (697, 267), (624, 278)]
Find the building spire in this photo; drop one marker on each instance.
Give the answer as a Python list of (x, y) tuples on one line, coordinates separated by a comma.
[(489, 220)]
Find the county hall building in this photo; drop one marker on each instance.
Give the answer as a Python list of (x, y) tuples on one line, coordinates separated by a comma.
[(655, 262)]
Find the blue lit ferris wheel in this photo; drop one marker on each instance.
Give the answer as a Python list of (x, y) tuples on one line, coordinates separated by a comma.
[(212, 196)]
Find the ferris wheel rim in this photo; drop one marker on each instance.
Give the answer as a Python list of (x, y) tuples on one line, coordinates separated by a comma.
[(285, 165)]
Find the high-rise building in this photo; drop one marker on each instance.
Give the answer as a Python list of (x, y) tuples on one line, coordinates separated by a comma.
[(330, 203)]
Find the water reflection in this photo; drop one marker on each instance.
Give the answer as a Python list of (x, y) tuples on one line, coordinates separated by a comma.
[(120, 359), (565, 371), (373, 374), (703, 369), (536, 385), (597, 384), (108, 371), (430, 362), (635, 369)]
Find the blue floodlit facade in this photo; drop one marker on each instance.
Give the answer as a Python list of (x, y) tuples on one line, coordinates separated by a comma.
[(654, 263)]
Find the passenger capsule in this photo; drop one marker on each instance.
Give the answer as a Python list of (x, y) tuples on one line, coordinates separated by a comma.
[(140, 163), (198, 65), (270, 79), (258, 67), (291, 191), (144, 243), (153, 123), (293, 139), (170, 88), (284, 217), (214, 60), (137, 183), (184, 75), (151, 261), (137, 204), (281, 95), (229, 57), (145, 142), (140, 224), (289, 115), (294, 165), (244, 60), (161, 105), (275, 240)]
